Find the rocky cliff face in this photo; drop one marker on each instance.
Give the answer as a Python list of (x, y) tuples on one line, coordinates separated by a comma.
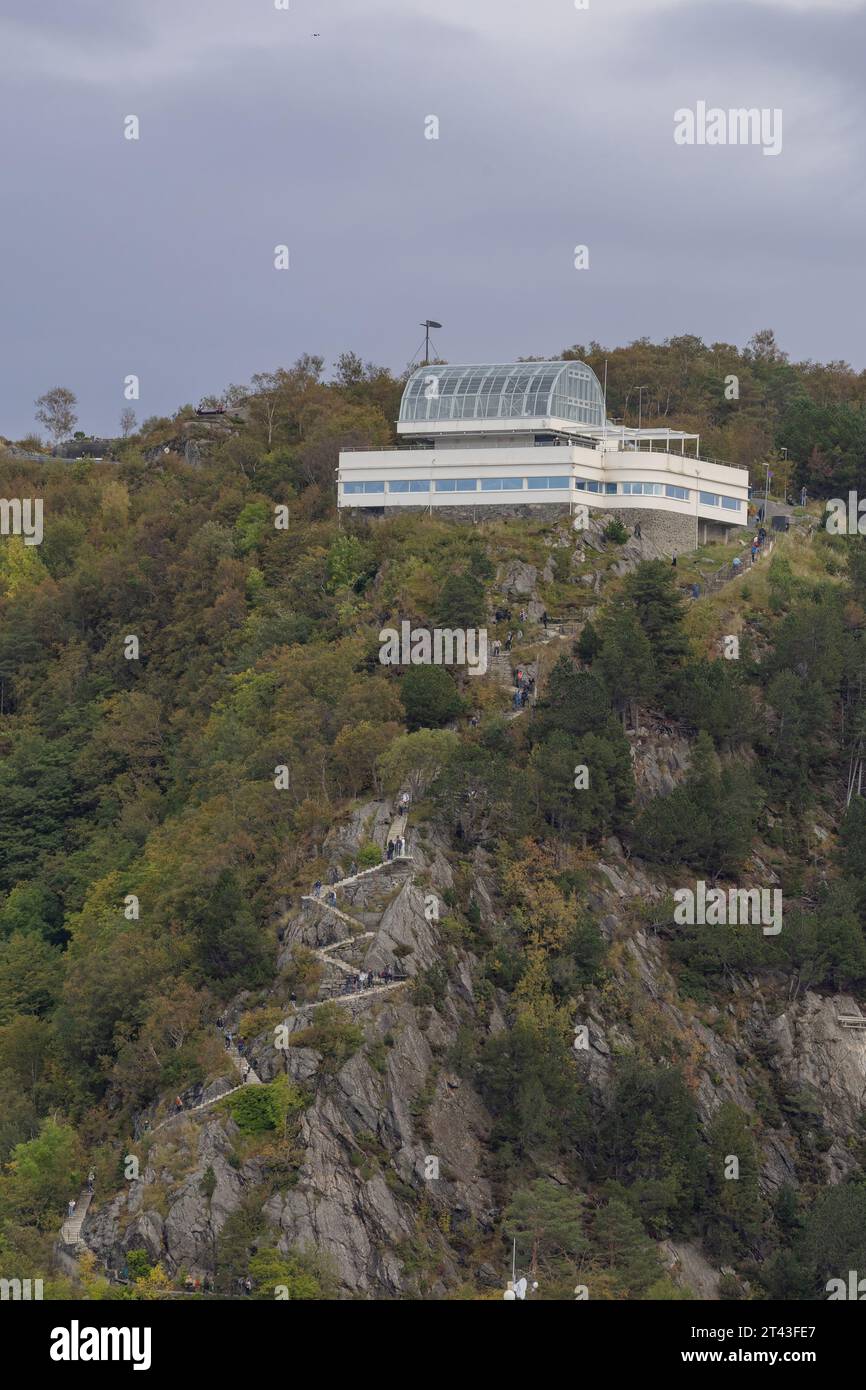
[(383, 1126), (391, 1125), (391, 1182)]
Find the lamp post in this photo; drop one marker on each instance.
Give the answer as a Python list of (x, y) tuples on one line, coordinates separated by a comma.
[(427, 325), (516, 1289), (640, 391)]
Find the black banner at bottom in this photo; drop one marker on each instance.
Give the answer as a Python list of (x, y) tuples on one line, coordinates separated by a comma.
[(209, 1334)]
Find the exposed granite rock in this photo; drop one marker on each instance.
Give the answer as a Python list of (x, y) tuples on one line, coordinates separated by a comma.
[(517, 578), (660, 762), (821, 1057)]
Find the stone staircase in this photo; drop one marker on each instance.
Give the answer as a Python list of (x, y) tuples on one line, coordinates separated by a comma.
[(252, 1079), (500, 668), (329, 907), (364, 874), (359, 996), (70, 1231)]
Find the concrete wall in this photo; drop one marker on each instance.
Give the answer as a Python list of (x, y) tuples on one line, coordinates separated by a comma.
[(539, 511)]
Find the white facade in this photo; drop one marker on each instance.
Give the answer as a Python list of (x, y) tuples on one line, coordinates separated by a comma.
[(481, 451)]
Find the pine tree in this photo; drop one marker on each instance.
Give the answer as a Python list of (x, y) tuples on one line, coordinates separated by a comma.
[(626, 660)]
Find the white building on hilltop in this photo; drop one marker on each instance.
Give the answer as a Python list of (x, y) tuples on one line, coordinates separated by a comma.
[(508, 440)]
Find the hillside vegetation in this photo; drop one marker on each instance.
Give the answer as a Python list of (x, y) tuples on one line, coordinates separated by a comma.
[(164, 802)]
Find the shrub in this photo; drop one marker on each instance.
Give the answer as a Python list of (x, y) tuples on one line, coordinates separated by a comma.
[(369, 855), (333, 1034), (256, 1109), (615, 531)]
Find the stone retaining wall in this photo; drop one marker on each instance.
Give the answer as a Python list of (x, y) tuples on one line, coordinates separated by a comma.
[(668, 530)]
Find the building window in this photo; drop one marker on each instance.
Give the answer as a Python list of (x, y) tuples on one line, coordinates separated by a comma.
[(731, 503), (501, 484), (456, 485), (710, 499), (610, 488), (681, 493), (643, 489), (587, 485), (409, 485), (548, 482), (363, 487)]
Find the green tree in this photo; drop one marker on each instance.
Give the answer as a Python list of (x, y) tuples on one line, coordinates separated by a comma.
[(623, 1246), (430, 697), (42, 1174), (55, 409), (461, 602), (736, 1211), (546, 1220), (625, 660), (416, 760), (229, 949), (294, 1277), (651, 588)]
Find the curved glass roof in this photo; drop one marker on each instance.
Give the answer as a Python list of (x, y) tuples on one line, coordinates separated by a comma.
[(513, 391)]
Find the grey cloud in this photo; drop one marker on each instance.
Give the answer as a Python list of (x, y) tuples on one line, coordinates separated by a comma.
[(556, 129)]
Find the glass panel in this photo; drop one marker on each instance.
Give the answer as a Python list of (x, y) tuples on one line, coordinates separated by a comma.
[(570, 391)]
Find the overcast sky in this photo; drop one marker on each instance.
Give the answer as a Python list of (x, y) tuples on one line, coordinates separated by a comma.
[(156, 256)]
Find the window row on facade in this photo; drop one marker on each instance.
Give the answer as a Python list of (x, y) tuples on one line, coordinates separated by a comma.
[(536, 484)]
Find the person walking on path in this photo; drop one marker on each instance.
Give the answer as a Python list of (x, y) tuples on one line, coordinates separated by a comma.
[(91, 1179), (71, 1206)]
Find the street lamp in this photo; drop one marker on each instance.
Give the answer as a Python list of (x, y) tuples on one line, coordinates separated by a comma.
[(516, 1289), (640, 391), (427, 325)]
